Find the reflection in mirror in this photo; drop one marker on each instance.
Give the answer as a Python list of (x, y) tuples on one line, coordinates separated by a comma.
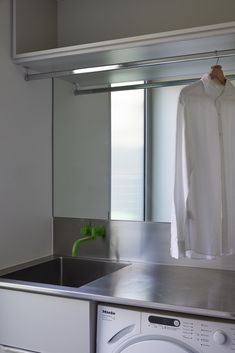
[(114, 153), (81, 153), (127, 154), (163, 108)]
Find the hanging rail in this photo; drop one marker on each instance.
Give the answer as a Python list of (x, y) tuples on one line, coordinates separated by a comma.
[(134, 64), (153, 84)]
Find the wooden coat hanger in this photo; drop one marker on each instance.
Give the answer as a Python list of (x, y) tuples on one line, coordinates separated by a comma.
[(217, 73)]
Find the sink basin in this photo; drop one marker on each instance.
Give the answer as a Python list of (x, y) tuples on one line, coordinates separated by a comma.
[(65, 271)]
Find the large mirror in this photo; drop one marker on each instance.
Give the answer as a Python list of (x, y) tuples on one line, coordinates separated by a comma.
[(114, 151)]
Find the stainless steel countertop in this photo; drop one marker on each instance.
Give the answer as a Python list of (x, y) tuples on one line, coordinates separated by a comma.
[(188, 290)]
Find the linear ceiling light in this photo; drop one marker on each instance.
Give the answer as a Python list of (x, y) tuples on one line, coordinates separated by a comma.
[(96, 69)]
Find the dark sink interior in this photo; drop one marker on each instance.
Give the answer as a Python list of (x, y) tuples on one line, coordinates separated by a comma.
[(71, 272)]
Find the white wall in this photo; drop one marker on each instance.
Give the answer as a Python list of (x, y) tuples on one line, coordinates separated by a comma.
[(84, 21), (25, 158)]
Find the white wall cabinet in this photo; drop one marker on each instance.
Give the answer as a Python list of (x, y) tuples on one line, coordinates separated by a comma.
[(45, 324), (34, 25), (59, 36), (47, 24)]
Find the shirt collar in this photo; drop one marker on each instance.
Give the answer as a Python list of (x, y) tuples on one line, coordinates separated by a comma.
[(213, 88)]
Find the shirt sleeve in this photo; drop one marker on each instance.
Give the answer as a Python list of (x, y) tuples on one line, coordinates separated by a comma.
[(180, 191)]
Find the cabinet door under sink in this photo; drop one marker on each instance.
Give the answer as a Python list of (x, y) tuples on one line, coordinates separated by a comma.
[(43, 323)]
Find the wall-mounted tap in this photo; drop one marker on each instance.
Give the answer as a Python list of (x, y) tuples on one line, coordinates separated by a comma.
[(89, 233)]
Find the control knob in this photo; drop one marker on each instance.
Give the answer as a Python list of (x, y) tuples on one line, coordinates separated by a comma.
[(219, 337)]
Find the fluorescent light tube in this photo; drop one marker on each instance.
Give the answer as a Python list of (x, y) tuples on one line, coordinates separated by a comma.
[(96, 69)]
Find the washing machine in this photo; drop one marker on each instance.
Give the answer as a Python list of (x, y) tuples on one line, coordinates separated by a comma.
[(126, 330)]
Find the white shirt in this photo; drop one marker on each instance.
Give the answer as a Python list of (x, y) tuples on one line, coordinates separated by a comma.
[(203, 219)]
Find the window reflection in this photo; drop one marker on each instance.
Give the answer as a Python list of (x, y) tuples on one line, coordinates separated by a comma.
[(131, 197), (127, 155)]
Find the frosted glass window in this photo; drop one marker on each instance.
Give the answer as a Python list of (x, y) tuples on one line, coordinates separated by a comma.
[(164, 113), (127, 155)]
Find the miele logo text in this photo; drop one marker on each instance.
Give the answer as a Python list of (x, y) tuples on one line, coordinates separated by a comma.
[(108, 312)]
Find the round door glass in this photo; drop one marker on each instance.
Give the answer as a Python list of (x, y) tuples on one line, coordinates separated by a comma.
[(156, 346)]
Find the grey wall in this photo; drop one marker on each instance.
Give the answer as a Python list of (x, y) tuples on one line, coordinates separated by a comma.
[(84, 21), (25, 158)]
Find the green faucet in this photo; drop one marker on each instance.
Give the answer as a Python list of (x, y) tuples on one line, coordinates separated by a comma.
[(90, 233)]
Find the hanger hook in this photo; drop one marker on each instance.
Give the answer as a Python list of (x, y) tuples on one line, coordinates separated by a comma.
[(216, 54)]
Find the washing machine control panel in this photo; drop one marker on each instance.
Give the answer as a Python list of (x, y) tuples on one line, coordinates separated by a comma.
[(168, 321), (207, 335)]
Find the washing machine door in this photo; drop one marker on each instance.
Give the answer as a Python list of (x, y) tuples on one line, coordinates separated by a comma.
[(155, 346)]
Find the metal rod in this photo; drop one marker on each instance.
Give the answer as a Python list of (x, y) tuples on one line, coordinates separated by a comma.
[(139, 86), (138, 64)]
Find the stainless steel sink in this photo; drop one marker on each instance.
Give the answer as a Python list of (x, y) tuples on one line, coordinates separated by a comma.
[(65, 271)]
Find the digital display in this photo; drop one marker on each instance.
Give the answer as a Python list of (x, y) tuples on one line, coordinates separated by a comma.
[(164, 321)]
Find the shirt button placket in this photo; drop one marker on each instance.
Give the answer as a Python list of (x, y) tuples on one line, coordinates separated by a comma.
[(222, 163)]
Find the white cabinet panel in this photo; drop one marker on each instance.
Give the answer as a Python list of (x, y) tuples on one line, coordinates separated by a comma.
[(43, 323)]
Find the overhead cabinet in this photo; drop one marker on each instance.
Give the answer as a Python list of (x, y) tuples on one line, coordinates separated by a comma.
[(57, 36), (34, 25), (47, 24)]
